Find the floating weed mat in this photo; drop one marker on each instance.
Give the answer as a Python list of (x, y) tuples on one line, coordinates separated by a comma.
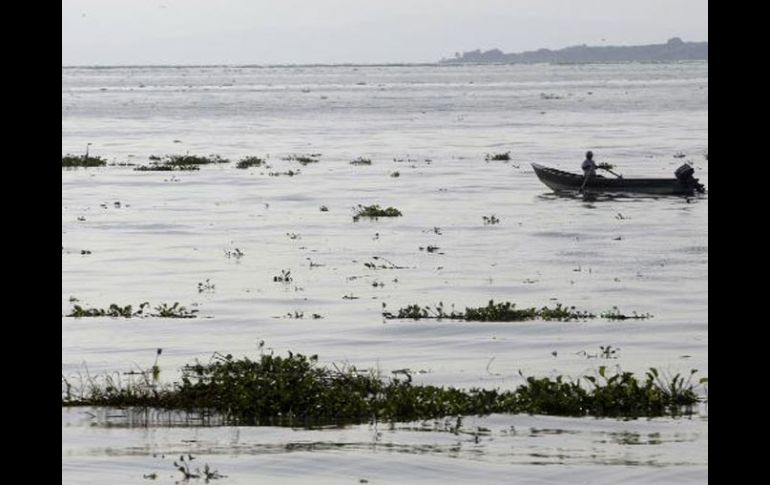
[(180, 162), (249, 162), (616, 314), (68, 161), (304, 159), (498, 156), (294, 390), (374, 212), (493, 312), (161, 311)]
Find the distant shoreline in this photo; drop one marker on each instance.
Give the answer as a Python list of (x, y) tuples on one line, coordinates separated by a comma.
[(674, 50), (405, 64)]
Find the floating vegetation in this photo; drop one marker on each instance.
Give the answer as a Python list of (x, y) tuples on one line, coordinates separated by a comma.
[(608, 352), (284, 277), (388, 265), (490, 220), (295, 390), (249, 162), (187, 160), (304, 159), (615, 314), (68, 161), (493, 312), (170, 163), (234, 253), (206, 286), (114, 310), (290, 173), (498, 156), (301, 315), (361, 161), (173, 311), (166, 168), (184, 467), (374, 212)]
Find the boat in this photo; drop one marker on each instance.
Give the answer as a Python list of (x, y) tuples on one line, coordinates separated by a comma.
[(560, 181)]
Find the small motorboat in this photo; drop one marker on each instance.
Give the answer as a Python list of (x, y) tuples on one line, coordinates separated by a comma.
[(560, 181)]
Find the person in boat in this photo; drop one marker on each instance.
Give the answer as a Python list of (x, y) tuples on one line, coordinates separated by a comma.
[(589, 166)]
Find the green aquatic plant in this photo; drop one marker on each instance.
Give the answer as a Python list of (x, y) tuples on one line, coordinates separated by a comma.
[(492, 312), (207, 286), (616, 314), (248, 162), (187, 162), (284, 277), (498, 156), (162, 311), (374, 212), (113, 311), (290, 173), (166, 168), (295, 390), (304, 159), (174, 311), (234, 253), (207, 473), (68, 161)]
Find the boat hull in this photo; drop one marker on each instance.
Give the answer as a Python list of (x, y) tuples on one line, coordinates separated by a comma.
[(560, 181)]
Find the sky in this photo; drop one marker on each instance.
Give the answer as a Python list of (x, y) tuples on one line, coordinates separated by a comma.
[(183, 32)]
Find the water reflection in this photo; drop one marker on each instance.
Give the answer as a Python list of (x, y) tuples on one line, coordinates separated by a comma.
[(530, 440)]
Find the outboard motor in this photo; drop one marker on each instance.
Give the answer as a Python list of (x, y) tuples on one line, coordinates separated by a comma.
[(685, 176)]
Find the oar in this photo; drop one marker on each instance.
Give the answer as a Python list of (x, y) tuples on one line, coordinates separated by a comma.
[(584, 184), (608, 168)]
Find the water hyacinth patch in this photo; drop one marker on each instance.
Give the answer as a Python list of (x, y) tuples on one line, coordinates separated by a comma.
[(248, 162), (180, 162), (295, 390), (374, 212), (492, 312), (498, 156), (161, 311), (68, 161)]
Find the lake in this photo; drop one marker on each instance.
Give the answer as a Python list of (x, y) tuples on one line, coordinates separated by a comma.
[(214, 240)]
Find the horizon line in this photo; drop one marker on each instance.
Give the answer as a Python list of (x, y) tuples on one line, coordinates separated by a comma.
[(378, 64)]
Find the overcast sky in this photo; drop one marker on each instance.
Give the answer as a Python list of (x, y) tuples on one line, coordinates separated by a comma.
[(119, 32)]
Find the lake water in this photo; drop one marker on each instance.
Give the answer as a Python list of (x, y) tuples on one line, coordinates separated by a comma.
[(154, 236)]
